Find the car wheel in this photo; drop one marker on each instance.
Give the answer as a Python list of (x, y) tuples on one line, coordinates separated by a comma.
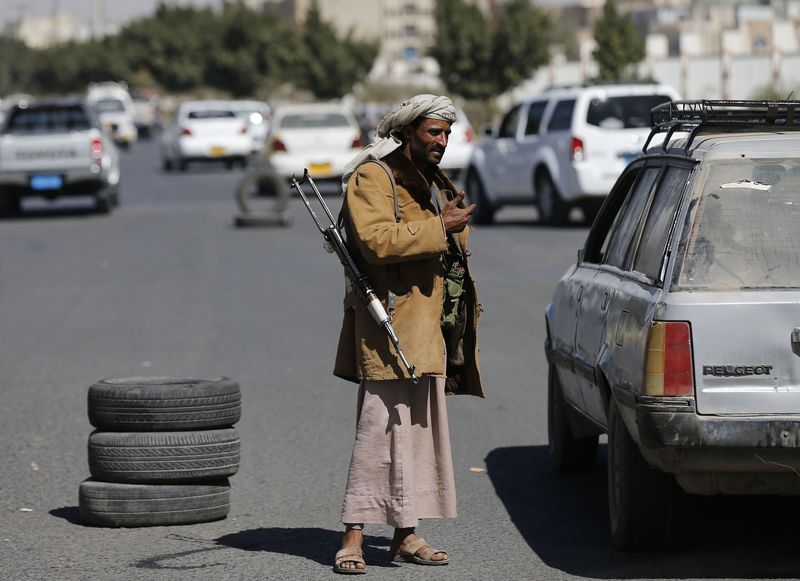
[(553, 209), (640, 498), (103, 204), (167, 164), (567, 452), (10, 204), (161, 404), (162, 457), (111, 504), (484, 210), (183, 165)]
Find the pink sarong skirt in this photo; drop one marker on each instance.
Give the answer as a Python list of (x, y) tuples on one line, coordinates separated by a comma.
[(401, 469)]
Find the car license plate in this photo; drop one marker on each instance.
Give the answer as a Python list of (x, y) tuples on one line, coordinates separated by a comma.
[(320, 169), (44, 182), (217, 150)]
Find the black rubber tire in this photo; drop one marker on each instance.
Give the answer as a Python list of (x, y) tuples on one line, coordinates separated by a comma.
[(10, 204), (183, 165), (164, 457), (110, 504), (103, 204), (484, 210), (162, 404), (568, 453), (167, 164), (640, 498), (552, 208)]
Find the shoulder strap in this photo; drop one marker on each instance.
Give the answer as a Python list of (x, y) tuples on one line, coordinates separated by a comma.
[(388, 170)]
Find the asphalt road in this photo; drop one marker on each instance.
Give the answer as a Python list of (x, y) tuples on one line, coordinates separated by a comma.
[(167, 286)]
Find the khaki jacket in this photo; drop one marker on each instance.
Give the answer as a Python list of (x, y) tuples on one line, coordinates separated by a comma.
[(406, 257)]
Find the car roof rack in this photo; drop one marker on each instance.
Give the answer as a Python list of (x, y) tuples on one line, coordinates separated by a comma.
[(721, 115)]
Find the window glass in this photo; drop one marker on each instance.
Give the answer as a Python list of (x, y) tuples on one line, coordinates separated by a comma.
[(624, 235), (109, 106), (659, 221), (210, 114), (508, 127), (535, 112), (314, 120), (562, 115), (745, 232), (623, 112), (600, 235), (48, 120)]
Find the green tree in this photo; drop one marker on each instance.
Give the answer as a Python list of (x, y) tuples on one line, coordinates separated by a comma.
[(619, 44), (463, 48), (479, 59), (331, 65), (15, 66), (520, 44)]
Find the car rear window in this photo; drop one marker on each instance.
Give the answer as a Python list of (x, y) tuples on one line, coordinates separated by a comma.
[(314, 120), (744, 233), (53, 119), (211, 114), (623, 112), (109, 106)]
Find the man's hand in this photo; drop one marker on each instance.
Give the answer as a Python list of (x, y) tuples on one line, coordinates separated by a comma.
[(455, 219)]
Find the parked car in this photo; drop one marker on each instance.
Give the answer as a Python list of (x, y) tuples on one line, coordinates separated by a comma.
[(146, 114), (114, 107), (459, 147), (561, 149), (205, 131), (55, 149), (676, 331), (317, 136), (257, 114)]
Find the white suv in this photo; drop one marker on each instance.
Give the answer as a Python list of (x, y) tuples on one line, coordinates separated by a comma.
[(563, 148)]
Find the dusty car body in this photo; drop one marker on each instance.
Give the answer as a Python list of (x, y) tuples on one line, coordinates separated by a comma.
[(677, 330)]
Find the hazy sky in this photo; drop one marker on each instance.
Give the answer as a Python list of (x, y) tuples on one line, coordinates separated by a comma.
[(117, 11)]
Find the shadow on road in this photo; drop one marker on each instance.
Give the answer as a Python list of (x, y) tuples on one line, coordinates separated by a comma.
[(564, 519), (71, 514), (316, 544)]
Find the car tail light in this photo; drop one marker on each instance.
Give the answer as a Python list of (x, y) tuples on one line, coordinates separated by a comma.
[(97, 148), (356, 143), (278, 145), (469, 135), (668, 364), (576, 150), (186, 131)]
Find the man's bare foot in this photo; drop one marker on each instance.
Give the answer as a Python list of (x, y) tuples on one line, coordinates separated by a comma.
[(352, 539), (403, 537)]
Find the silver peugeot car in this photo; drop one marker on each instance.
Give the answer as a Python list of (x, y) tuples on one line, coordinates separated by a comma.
[(677, 330)]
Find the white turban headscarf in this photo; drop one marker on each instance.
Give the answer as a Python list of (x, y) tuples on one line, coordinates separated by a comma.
[(388, 139)]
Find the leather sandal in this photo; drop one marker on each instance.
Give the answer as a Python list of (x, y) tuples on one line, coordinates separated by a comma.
[(418, 551), (349, 555)]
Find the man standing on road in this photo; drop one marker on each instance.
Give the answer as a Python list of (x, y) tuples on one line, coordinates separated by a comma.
[(407, 230)]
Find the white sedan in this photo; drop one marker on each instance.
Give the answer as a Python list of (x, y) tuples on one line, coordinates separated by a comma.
[(205, 131), (320, 137)]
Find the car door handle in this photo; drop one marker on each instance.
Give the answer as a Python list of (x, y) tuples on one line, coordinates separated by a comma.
[(604, 304)]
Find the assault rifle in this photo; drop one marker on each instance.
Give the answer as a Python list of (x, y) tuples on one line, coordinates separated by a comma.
[(334, 238)]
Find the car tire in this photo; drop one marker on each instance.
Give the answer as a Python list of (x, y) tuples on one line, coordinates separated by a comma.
[(161, 404), (484, 210), (568, 453), (111, 504), (640, 498), (552, 208), (103, 204), (167, 165), (163, 457), (183, 165), (10, 204)]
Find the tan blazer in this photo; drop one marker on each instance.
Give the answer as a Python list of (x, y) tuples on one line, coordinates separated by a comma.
[(406, 256)]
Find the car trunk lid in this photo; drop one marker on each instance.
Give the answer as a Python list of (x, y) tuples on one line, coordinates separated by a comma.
[(746, 352)]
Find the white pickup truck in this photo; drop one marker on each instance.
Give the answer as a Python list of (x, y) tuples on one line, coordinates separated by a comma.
[(56, 149)]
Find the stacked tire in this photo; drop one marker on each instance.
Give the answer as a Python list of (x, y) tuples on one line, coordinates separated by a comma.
[(162, 451)]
